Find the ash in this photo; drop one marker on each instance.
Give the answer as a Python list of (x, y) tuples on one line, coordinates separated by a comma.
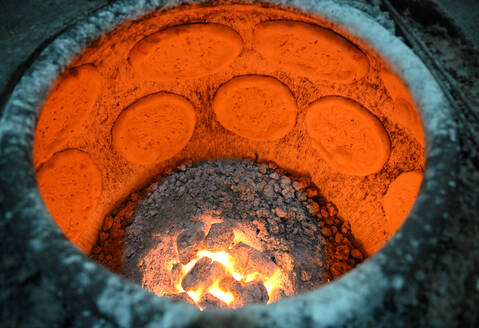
[(288, 219)]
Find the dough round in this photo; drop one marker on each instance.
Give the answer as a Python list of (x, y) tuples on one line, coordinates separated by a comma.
[(65, 110), (154, 128), (404, 112), (311, 51), (400, 197), (70, 184), (349, 137), (256, 107), (185, 51)]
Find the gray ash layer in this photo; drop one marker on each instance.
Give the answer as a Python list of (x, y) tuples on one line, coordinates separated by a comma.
[(289, 216)]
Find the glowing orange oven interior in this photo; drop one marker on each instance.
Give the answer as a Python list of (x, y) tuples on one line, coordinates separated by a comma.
[(285, 90)]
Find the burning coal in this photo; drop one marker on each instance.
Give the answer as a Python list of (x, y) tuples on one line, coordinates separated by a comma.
[(232, 275), (231, 233)]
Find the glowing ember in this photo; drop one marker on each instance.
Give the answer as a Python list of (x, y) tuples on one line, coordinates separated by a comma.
[(226, 243), (216, 291), (234, 276)]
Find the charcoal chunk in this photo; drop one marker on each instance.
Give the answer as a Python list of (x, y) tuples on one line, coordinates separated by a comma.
[(248, 259), (281, 213), (188, 242), (253, 292), (268, 191), (339, 268), (209, 301), (245, 293), (220, 237), (181, 297), (176, 273), (305, 275), (203, 274), (342, 252), (356, 253), (231, 285)]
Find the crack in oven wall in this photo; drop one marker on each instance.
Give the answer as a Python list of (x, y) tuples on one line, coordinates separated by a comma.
[(234, 81)]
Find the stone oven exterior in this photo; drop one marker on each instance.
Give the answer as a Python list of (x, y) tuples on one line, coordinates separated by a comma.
[(86, 294)]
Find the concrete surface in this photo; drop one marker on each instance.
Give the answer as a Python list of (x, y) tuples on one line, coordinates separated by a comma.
[(28, 25), (465, 14)]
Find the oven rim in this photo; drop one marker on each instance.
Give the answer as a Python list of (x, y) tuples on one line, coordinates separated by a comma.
[(361, 291)]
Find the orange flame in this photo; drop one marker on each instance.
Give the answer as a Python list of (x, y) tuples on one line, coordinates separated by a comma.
[(217, 292), (271, 283)]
